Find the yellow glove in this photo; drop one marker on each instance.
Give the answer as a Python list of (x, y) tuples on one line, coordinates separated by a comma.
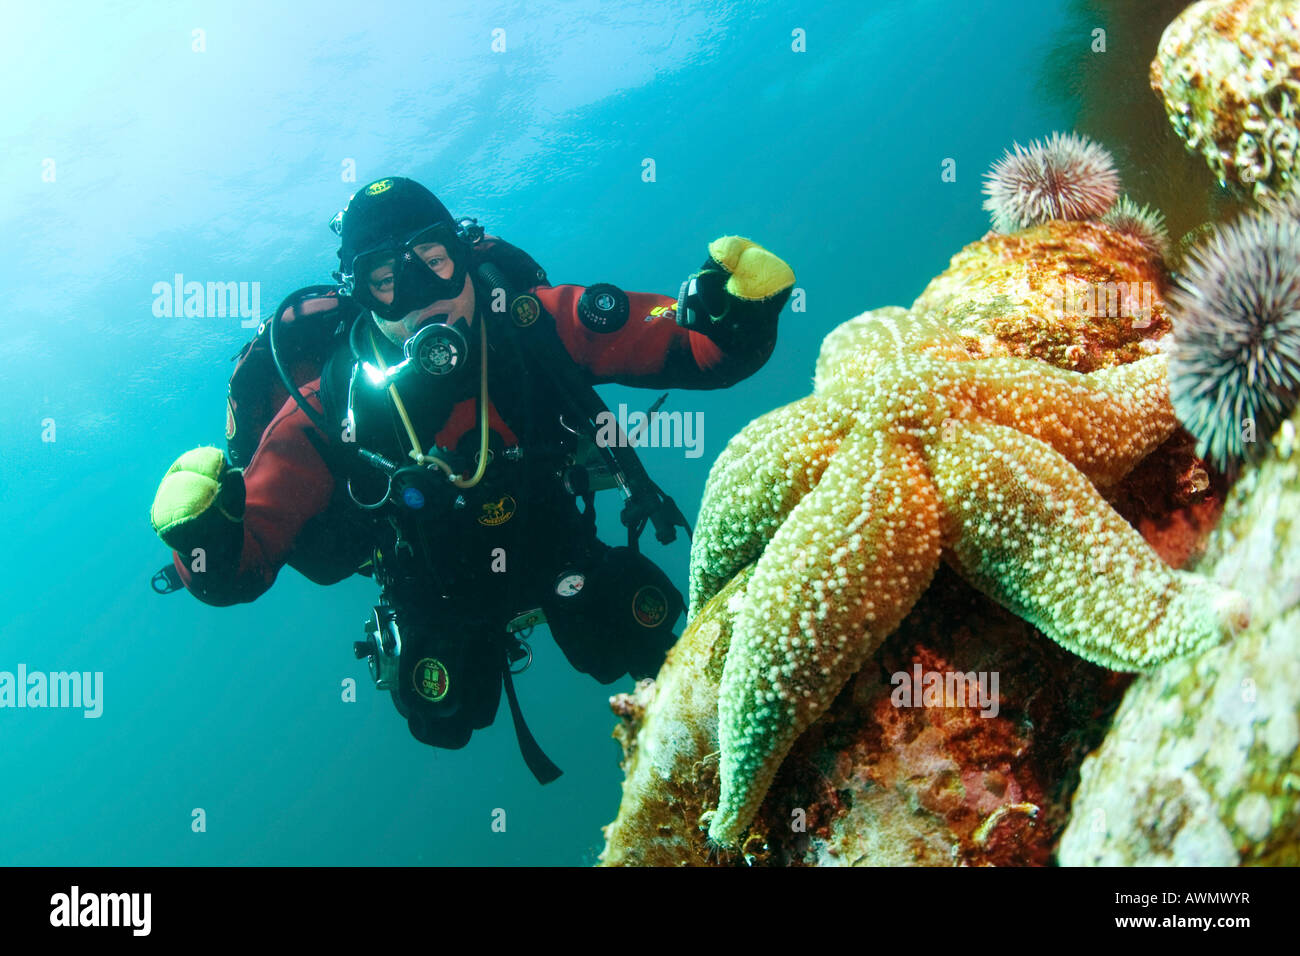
[(200, 502), (736, 296), (756, 274)]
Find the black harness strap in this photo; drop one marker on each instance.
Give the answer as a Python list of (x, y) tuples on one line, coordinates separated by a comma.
[(541, 765)]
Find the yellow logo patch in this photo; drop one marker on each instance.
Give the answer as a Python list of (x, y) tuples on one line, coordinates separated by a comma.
[(374, 189), (649, 606), (497, 512), (525, 309)]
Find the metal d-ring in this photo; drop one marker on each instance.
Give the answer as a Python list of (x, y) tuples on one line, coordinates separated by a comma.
[(570, 429), (388, 491)]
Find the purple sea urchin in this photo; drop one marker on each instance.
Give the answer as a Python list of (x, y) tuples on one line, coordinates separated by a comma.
[(1143, 223), (1234, 373), (1284, 206), (1068, 177)]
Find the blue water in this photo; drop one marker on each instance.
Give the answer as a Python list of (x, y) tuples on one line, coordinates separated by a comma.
[(226, 165)]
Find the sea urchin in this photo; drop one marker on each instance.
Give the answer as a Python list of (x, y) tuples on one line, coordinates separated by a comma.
[(1068, 177), (1143, 223), (1234, 372)]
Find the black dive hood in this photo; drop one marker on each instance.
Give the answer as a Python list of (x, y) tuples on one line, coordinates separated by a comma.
[(384, 224)]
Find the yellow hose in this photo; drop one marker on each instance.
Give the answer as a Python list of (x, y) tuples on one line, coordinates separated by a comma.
[(417, 450)]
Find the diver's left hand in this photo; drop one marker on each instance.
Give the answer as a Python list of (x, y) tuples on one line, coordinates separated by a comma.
[(735, 297), (200, 503)]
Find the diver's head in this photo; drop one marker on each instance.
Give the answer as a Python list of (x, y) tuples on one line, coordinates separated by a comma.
[(402, 259)]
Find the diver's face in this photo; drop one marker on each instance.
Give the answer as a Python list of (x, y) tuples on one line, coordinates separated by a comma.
[(435, 257)]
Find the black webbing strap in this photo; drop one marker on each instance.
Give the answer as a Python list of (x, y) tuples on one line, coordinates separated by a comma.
[(542, 767)]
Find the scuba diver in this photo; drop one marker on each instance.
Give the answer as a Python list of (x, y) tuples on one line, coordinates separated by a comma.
[(430, 421)]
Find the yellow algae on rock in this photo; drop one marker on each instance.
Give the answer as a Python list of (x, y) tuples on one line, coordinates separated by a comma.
[(669, 735)]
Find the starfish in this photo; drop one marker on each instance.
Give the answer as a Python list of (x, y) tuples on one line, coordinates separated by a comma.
[(910, 451)]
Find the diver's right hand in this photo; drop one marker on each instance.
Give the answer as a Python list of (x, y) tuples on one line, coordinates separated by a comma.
[(200, 503), (736, 296)]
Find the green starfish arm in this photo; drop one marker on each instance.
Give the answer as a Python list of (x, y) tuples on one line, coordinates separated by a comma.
[(834, 581), (756, 481), (1031, 532)]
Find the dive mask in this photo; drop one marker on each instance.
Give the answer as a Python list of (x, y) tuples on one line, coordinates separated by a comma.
[(414, 283)]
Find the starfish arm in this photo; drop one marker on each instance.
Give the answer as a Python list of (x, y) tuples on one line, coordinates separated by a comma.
[(835, 580), (756, 481), (1104, 423), (1030, 531), (857, 348)]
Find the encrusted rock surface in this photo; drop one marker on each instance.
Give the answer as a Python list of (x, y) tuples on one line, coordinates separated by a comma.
[(872, 783), (1202, 766), (1078, 295), (1228, 72)]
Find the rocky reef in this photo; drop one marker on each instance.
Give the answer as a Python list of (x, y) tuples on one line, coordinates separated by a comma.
[(873, 782), (1202, 766), (909, 588), (1228, 72), (1079, 295)]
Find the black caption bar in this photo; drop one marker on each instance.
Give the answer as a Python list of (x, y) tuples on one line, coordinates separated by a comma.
[(375, 905)]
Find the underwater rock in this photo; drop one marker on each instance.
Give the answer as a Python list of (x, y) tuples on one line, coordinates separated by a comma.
[(870, 783), (1228, 72), (1174, 499), (1202, 765), (1079, 295), (669, 734)]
